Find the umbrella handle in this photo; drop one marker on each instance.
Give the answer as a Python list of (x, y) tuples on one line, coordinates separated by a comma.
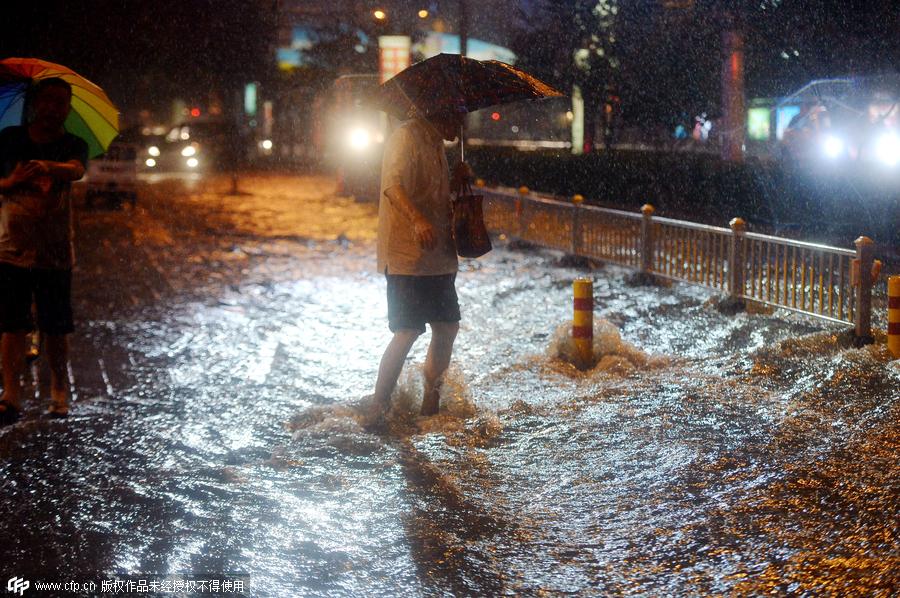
[(462, 145)]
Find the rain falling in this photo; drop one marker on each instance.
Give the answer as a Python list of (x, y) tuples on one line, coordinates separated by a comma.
[(723, 177)]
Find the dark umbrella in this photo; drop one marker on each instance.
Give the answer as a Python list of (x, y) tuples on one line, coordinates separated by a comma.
[(454, 83)]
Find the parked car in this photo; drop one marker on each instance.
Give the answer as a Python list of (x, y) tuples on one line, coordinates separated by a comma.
[(193, 146), (199, 146), (146, 142), (113, 176)]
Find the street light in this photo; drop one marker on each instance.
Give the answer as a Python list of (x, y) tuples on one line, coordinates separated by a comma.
[(423, 14), (379, 14)]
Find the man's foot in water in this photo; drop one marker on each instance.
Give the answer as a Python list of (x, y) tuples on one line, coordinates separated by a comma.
[(431, 402), (375, 420)]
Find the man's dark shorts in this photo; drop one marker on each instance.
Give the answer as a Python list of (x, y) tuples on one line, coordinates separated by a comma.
[(52, 292), (414, 301)]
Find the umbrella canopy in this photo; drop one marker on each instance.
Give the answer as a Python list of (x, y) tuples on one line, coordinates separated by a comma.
[(93, 117), (450, 82)]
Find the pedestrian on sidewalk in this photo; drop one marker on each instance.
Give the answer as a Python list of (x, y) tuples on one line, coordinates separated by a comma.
[(416, 251), (38, 162)]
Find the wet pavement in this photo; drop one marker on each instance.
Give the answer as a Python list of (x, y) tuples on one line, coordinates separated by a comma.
[(227, 343)]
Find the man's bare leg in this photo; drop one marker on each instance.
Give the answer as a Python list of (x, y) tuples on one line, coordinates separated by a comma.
[(58, 359), (439, 351), (13, 348), (391, 365)]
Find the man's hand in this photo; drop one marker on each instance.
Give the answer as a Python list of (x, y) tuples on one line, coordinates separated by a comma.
[(422, 228), (424, 233), (43, 166), (22, 173), (61, 171)]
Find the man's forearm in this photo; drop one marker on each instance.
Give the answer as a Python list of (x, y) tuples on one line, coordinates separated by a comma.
[(398, 197), (65, 171)]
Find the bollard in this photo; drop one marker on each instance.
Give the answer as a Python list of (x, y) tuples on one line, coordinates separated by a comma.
[(583, 322), (894, 316)]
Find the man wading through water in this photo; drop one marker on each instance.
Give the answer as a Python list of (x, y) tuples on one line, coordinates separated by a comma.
[(416, 251)]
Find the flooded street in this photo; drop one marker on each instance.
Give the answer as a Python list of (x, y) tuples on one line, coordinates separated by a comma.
[(224, 351)]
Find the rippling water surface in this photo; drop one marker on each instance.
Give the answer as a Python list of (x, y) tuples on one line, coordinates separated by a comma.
[(704, 454)]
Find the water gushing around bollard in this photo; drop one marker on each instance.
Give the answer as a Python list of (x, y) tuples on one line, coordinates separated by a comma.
[(611, 354)]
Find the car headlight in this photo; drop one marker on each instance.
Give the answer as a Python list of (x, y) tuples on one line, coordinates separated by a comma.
[(192, 162), (887, 148), (153, 151), (188, 151), (359, 139), (150, 162), (833, 146)]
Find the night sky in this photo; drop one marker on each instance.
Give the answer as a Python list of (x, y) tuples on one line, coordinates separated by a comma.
[(146, 52), (142, 53)]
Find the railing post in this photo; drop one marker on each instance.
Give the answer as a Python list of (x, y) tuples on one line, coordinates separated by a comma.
[(865, 249), (577, 200), (647, 240), (736, 259)]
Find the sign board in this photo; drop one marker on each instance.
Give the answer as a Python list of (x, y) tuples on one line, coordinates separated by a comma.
[(393, 55)]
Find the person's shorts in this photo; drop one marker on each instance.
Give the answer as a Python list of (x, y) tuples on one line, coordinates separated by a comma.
[(414, 301), (51, 291)]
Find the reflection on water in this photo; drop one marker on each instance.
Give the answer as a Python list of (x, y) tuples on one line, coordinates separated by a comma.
[(703, 454)]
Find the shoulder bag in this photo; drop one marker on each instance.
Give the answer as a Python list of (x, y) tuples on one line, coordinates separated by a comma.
[(469, 232)]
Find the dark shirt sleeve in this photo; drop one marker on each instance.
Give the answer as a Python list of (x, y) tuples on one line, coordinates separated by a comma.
[(79, 151), (7, 157)]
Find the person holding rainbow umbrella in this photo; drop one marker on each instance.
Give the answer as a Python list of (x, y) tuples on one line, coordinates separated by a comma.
[(51, 121)]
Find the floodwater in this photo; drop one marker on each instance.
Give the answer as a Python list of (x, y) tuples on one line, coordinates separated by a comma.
[(226, 350)]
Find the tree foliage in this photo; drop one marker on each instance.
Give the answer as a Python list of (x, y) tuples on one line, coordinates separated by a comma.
[(336, 50), (574, 43), (571, 42), (663, 58)]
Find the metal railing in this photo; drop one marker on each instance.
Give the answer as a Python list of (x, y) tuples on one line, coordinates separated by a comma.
[(690, 252), (609, 235), (816, 280), (804, 277)]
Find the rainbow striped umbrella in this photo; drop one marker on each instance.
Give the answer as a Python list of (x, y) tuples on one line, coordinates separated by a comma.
[(93, 117)]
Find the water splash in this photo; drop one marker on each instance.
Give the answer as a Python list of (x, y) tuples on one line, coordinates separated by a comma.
[(612, 354)]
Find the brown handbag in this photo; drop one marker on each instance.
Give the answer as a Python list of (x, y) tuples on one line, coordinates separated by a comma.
[(469, 232)]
